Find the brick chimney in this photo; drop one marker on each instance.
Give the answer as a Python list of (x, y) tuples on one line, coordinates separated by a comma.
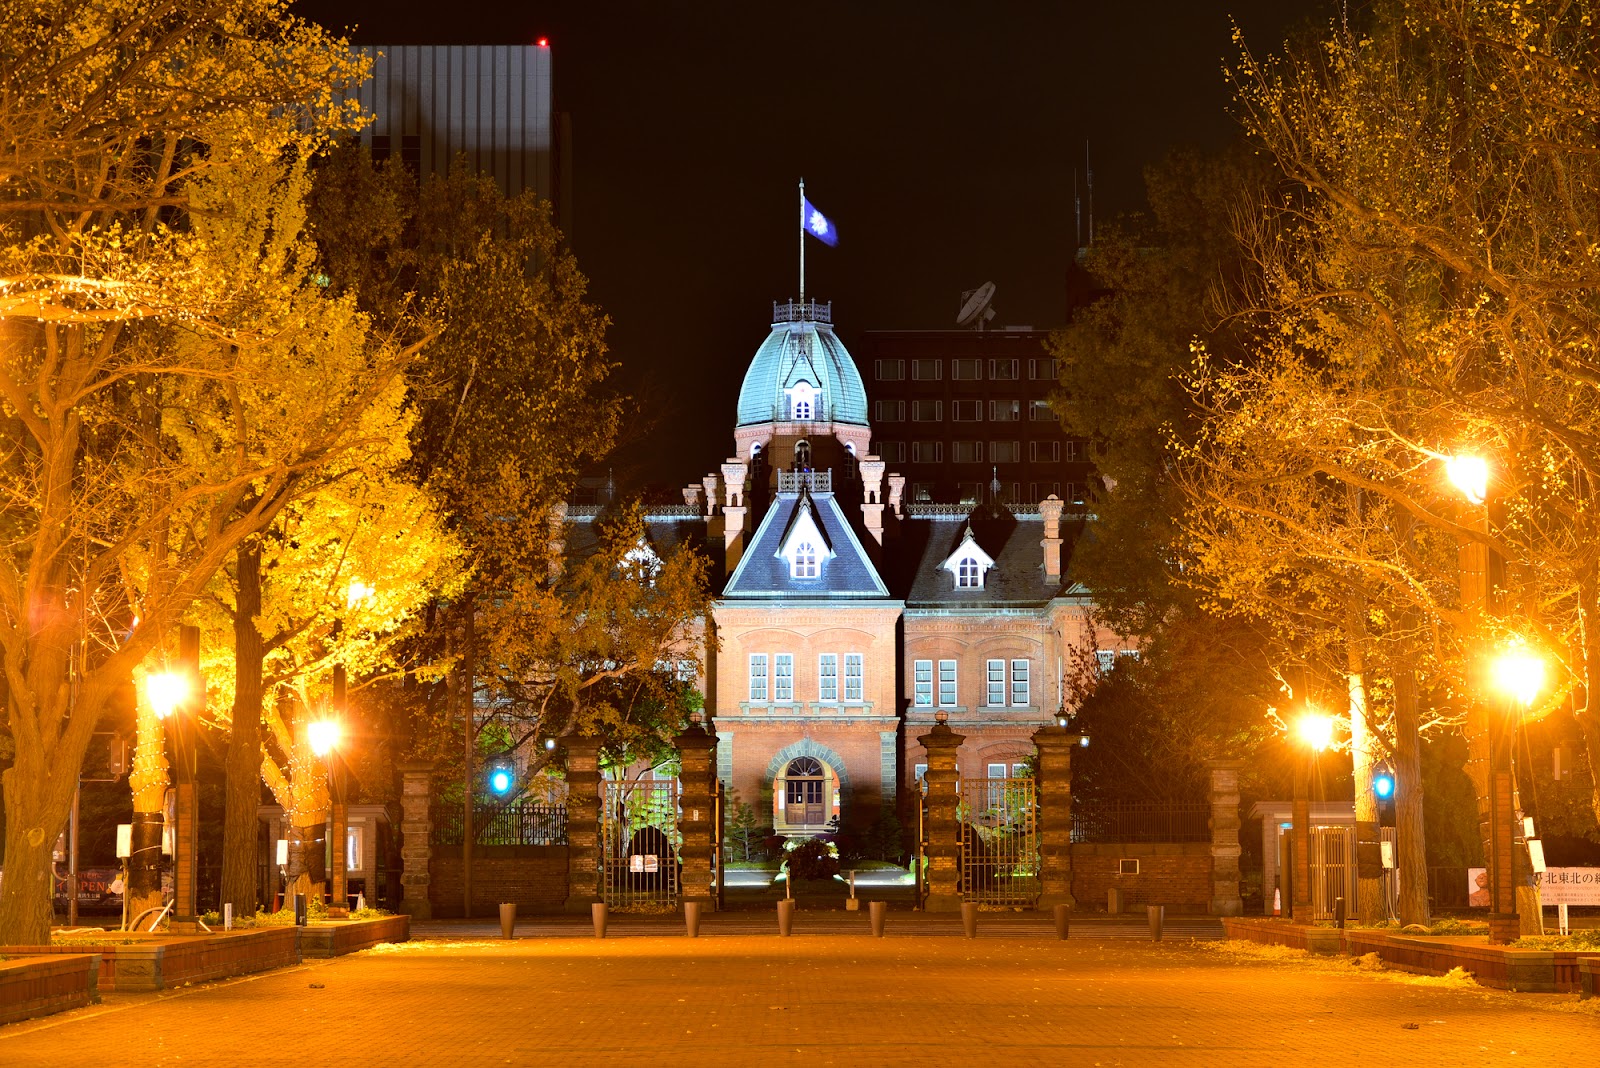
[(871, 504), (1051, 508), (733, 509)]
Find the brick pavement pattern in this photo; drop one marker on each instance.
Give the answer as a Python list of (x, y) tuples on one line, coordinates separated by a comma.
[(833, 996)]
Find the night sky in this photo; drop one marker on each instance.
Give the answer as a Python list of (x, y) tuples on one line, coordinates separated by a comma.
[(941, 138)]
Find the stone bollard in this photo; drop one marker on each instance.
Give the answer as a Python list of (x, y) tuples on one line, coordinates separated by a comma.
[(508, 919), (877, 910), (969, 918), (598, 912), (691, 918), (1061, 914), (785, 917), (1157, 915)]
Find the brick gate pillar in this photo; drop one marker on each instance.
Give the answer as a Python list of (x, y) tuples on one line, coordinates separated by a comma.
[(583, 822), (416, 838), (1225, 899), (940, 828), (1053, 781), (697, 753)]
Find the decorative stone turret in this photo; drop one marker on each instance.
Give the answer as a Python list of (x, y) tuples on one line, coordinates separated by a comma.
[(1051, 508), (691, 495), (1053, 780), (710, 485), (583, 821), (416, 838), (872, 469), (697, 751), (733, 510), (1225, 850), (897, 492), (941, 827)]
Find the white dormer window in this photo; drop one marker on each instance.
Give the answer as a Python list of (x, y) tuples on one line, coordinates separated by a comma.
[(802, 402), (805, 546), (969, 563)]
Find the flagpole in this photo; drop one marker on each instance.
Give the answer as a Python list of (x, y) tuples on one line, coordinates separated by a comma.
[(802, 248)]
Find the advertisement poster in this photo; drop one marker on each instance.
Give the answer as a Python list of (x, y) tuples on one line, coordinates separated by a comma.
[(1558, 886)]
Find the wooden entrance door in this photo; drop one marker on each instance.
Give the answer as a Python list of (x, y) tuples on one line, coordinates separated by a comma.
[(804, 793)]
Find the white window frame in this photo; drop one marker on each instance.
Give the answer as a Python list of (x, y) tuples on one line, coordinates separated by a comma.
[(949, 677), (922, 684), (1044, 451), (1042, 368), (892, 452), (996, 670), (803, 561), (1013, 452), (1021, 679), (828, 678), (1005, 411), (966, 452), (960, 409), (889, 370), (972, 363), (927, 452), (758, 678), (1009, 374), (783, 678), (919, 772), (854, 678), (996, 771), (920, 367), (969, 574), (889, 411), (922, 405)]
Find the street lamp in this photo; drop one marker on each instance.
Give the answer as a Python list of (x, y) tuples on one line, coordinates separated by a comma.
[(1520, 675), (176, 698), (1315, 731), (325, 736), (1470, 475)]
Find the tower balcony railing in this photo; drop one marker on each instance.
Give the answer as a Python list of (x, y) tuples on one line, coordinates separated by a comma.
[(808, 311), (815, 481)]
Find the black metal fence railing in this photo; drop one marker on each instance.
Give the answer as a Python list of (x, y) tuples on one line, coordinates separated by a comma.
[(515, 824), (1141, 822)]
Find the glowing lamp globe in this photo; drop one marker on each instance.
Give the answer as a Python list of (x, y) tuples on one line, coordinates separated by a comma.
[(1470, 475), (1316, 730), (1520, 674), (324, 736), (500, 780), (166, 691)]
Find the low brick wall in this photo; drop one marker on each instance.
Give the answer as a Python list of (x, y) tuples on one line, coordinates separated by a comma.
[(335, 938), (1539, 971), (39, 986), (534, 877), (1588, 977), (1174, 874), (153, 962)]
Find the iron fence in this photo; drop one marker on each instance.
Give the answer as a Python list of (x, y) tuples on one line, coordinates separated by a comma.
[(999, 842), (1141, 822), (515, 824)]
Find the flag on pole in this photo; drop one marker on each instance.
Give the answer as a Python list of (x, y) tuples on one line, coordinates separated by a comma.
[(817, 224)]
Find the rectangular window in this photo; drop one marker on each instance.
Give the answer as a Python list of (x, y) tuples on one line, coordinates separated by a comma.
[(927, 452), (927, 411), (354, 855), (1074, 493), (1044, 451), (892, 452), (853, 678), (966, 370), (1040, 411), (997, 771), (1045, 369), (1003, 370), (927, 370), (1011, 492), (966, 452), (966, 411), (919, 771), (922, 684), (922, 492), (1005, 452), (758, 678), (1005, 411), (783, 677), (997, 688), (947, 683), (1075, 450), (889, 370), (1107, 659), (828, 678), (1019, 684), (969, 492), (889, 411)]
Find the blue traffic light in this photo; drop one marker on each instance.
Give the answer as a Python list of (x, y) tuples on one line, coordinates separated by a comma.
[(500, 781), (1383, 786)]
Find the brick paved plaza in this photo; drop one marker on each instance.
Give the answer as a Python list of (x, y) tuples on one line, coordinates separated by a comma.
[(830, 995)]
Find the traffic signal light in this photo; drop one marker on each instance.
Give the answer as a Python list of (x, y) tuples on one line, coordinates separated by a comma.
[(1383, 790), (501, 779)]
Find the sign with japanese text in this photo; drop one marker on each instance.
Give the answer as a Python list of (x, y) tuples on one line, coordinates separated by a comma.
[(1558, 886)]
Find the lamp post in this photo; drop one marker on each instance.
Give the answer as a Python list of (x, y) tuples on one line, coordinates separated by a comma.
[(1315, 731), (325, 736), (1514, 900), (176, 697)]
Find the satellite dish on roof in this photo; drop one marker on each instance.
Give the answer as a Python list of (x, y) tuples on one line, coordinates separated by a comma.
[(975, 310)]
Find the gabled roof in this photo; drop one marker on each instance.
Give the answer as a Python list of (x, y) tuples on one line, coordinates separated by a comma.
[(1017, 579), (803, 526), (764, 574)]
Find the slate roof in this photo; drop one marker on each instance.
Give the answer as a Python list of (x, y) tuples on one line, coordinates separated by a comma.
[(1016, 580), (762, 574), (664, 533), (780, 362)]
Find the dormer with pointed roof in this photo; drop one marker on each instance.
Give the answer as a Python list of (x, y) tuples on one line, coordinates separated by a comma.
[(969, 563)]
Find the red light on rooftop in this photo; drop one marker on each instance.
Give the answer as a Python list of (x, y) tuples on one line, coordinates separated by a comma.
[(543, 42)]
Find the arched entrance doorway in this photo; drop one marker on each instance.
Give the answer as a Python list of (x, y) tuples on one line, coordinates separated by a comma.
[(805, 797)]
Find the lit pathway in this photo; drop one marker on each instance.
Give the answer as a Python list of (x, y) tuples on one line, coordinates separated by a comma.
[(1014, 996)]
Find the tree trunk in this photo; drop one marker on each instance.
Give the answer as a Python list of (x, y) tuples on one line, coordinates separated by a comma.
[(148, 782), (241, 830), (1411, 854), (26, 905), (1363, 754), (1583, 702)]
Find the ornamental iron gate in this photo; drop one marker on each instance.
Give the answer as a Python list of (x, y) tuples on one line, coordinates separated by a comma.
[(639, 845), (1333, 869), (999, 842)]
